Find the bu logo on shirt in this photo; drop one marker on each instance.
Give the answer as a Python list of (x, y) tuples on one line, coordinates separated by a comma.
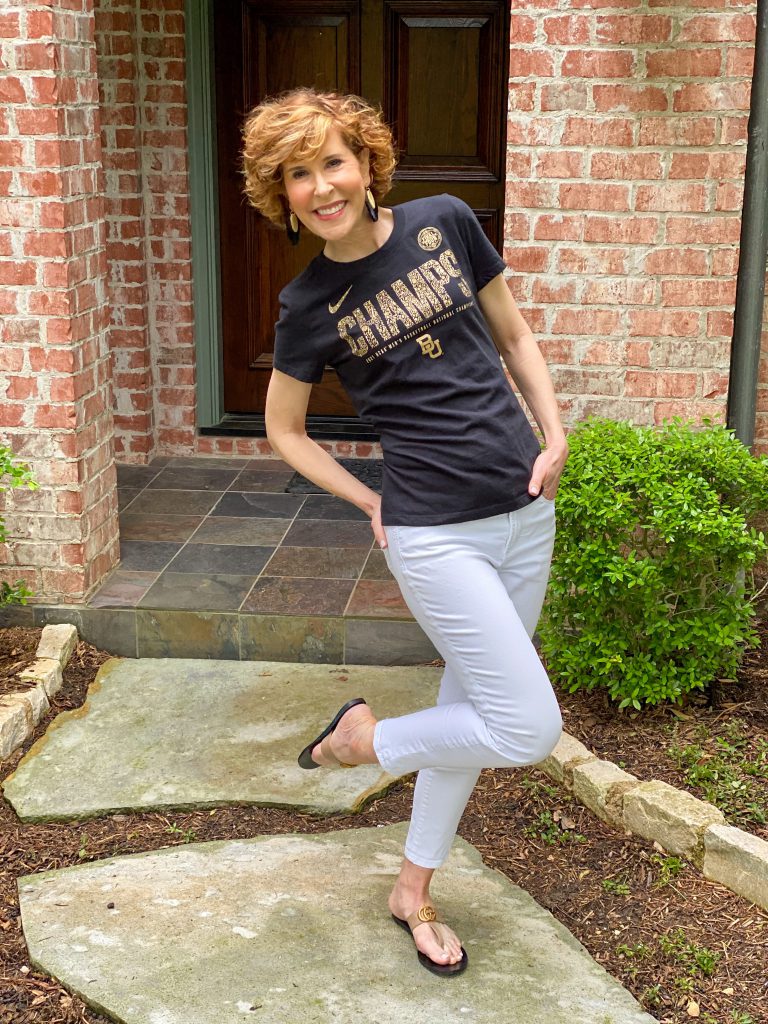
[(430, 346)]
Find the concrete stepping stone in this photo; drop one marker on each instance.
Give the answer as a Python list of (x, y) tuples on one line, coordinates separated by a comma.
[(293, 928), (160, 734)]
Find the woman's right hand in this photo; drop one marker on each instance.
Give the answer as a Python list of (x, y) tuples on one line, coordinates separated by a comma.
[(378, 529)]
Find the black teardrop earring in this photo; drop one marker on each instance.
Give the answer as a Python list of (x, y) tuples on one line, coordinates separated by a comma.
[(293, 228), (370, 205)]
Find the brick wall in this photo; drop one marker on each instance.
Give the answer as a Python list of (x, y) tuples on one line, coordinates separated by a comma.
[(56, 395), (144, 116), (626, 148)]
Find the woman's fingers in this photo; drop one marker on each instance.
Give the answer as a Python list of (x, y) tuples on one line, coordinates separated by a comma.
[(378, 529)]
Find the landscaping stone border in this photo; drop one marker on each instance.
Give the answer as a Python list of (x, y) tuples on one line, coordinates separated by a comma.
[(675, 820), (20, 712)]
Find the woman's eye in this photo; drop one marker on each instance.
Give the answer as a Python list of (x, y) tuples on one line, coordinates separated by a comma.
[(334, 162), (296, 173)]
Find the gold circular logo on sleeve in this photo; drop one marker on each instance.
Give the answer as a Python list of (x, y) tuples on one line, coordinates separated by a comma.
[(429, 238), (427, 914)]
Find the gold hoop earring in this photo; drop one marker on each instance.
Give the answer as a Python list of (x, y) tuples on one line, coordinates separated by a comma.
[(293, 228), (370, 205)]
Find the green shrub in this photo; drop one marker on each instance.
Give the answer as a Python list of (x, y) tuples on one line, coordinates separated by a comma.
[(652, 573), (18, 476)]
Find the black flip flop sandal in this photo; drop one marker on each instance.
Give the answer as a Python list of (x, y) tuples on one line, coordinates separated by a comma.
[(305, 757), (428, 915)]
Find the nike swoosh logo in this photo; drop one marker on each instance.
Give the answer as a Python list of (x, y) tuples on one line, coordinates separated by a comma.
[(335, 309)]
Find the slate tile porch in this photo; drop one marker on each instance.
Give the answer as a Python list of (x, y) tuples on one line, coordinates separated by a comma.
[(219, 561)]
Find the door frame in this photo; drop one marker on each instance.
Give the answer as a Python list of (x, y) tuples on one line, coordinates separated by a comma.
[(204, 211)]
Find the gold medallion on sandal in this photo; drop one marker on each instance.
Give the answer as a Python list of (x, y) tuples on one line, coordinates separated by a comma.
[(427, 914)]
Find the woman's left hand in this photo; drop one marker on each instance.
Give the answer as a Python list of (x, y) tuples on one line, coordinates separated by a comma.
[(547, 469)]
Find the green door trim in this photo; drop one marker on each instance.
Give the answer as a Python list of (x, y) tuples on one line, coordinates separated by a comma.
[(204, 211)]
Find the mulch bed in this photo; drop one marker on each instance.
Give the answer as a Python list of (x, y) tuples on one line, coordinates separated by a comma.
[(647, 920), (17, 651)]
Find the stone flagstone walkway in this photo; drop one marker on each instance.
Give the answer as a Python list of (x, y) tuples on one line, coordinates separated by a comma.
[(279, 929)]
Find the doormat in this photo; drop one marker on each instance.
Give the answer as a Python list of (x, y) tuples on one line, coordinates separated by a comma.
[(368, 471)]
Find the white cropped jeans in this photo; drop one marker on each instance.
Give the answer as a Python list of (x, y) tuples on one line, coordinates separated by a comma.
[(476, 589)]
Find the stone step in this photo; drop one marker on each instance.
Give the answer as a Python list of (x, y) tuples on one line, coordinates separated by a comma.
[(160, 734), (293, 928), (393, 638)]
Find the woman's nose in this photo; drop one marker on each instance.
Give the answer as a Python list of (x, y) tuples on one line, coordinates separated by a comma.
[(322, 185)]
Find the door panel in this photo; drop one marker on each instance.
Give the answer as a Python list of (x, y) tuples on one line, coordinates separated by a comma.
[(439, 72)]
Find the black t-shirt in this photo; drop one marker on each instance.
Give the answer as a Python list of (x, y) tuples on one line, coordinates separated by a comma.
[(403, 330)]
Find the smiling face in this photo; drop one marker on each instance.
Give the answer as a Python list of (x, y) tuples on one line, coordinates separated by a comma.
[(327, 192)]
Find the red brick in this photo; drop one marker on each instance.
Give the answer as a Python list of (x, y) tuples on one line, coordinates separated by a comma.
[(702, 230), (626, 166), (11, 155), (567, 29), (729, 196), (558, 227), (677, 131), (20, 388), (621, 291), (567, 95), (41, 183), (630, 28), (707, 165), (638, 383), (621, 229), (698, 293), (530, 63), (676, 261), (593, 197), (588, 322), (671, 196), (720, 27), (680, 63), (591, 260), (46, 243), (11, 415), (35, 56), (725, 262), (523, 194), (12, 90), (739, 62), (597, 63), (18, 273), (529, 259), (629, 97), (563, 164), (723, 96), (522, 96), (39, 24), (663, 323), (598, 131), (9, 26), (37, 122), (11, 359), (720, 324)]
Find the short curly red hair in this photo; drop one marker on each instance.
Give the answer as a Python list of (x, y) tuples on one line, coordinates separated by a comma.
[(293, 126)]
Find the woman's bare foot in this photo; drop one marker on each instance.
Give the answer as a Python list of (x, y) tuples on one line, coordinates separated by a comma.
[(352, 739), (405, 900)]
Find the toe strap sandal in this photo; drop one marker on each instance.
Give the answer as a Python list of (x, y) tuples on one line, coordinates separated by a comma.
[(427, 916), (324, 739)]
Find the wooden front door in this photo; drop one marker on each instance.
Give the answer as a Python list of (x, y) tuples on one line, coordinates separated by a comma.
[(439, 72)]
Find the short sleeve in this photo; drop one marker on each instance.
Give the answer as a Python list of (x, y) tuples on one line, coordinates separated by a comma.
[(484, 260), (295, 353)]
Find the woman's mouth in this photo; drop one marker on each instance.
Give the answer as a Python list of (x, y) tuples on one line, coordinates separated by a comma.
[(330, 211)]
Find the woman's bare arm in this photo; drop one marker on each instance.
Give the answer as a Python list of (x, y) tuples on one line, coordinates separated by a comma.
[(522, 357), (285, 414)]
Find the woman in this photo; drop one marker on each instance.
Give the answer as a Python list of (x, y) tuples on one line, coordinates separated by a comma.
[(410, 306)]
